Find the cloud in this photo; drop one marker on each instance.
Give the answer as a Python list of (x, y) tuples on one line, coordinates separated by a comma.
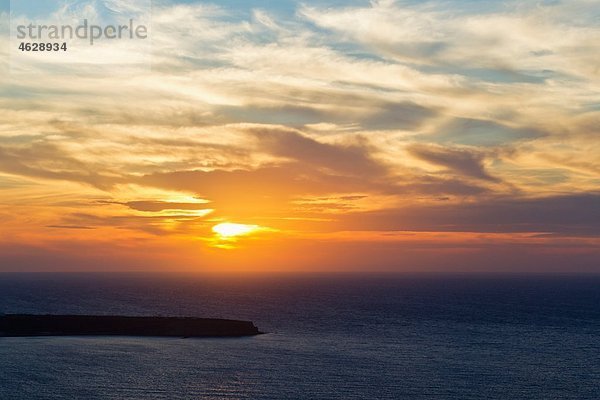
[(47, 161), (371, 117), (477, 132), (404, 116), (157, 206), (566, 215), (351, 159), (371, 114), (269, 192), (158, 225), (254, 191), (510, 36), (462, 161), (70, 227)]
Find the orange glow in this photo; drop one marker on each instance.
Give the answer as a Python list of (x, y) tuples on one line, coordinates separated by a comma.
[(265, 160), (229, 230)]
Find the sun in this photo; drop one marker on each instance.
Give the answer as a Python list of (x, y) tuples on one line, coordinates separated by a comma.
[(230, 230)]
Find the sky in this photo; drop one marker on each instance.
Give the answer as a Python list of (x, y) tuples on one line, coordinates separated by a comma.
[(308, 136)]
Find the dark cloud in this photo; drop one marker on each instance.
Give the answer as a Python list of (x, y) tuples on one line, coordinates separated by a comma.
[(462, 161), (77, 227), (350, 198), (47, 161), (352, 159), (157, 206), (564, 215), (433, 186), (152, 224)]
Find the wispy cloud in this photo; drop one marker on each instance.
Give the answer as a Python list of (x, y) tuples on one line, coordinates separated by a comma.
[(317, 121)]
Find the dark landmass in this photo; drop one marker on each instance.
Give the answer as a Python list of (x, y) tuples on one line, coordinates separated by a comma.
[(15, 325)]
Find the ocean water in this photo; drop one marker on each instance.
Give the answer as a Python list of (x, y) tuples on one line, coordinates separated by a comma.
[(330, 337)]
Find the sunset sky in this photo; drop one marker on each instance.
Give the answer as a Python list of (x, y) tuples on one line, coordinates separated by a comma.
[(310, 136)]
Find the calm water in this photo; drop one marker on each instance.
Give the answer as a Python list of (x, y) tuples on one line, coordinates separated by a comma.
[(353, 337)]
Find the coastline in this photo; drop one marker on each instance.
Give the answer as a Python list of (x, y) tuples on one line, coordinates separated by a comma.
[(28, 325)]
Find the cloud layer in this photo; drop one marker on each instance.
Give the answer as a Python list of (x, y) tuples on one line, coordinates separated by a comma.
[(335, 126)]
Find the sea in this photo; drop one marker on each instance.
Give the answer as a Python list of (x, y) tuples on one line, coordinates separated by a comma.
[(338, 336)]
